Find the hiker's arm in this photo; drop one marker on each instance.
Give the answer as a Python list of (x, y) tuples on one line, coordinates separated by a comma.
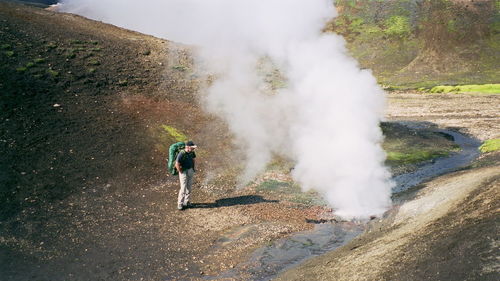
[(178, 166), (178, 161)]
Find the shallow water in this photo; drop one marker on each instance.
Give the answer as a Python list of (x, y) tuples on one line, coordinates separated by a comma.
[(469, 151), (265, 263)]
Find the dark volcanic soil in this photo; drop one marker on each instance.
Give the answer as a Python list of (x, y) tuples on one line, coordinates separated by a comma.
[(84, 192)]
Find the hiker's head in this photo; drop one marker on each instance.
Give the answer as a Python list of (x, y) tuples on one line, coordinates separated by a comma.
[(190, 146)]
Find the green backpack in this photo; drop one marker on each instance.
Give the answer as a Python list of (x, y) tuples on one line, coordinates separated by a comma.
[(172, 156)]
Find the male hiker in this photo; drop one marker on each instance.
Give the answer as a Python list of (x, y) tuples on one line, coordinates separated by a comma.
[(185, 165)]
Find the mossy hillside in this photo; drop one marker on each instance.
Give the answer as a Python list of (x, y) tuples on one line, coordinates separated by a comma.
[(374, 39), (490, 146), (394, 39)]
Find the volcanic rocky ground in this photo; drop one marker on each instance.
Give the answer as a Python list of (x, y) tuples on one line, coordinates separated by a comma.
[(85, 194)]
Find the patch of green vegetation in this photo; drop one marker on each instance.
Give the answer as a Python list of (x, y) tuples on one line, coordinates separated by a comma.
[(307, 198), (173, 132), (290, 192), (21, 69), (397, 26), (485, 88), (372, 29), (94, 42), (495, 26), (272, 185), (91, 70), (411, 86), (180, 68), (76, 42), (452, 25), (122, 82), (490, 146), (414, 156), (94, 62), (39, 60), (53, 73), (70, 55), (406, 146), (356, 25), (9, 53), (96, 49), (30, 64), (5, 46)]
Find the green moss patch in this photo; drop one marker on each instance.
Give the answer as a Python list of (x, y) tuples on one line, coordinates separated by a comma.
[(398, 26), (39, 60), (485, 88), (406, 147), (290, 192), (53, 73), (21, 69), (414, 156), (70, 55), (490, 146), (181, 68), (273, 185), (173, 132), (94, 62), (9, 53)]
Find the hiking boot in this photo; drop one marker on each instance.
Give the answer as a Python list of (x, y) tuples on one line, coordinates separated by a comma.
[(187, 205), (180, 207)]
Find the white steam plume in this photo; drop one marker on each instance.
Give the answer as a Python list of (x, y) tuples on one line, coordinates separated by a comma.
[(326, 117)]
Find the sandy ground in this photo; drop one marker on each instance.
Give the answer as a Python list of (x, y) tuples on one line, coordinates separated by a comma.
[(474, 114)]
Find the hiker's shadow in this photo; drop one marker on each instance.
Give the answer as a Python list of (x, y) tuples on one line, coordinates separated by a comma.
[(234, 201)]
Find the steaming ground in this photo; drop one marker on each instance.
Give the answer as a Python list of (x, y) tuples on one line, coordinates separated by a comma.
[(84, 190), (325, 103)]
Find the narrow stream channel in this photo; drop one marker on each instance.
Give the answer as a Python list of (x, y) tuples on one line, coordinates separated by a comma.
[(265, 263)]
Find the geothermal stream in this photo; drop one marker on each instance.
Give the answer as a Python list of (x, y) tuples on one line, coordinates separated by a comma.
[(265, 263)]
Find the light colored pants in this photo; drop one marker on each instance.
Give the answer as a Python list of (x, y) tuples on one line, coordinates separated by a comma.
[(186, 179)]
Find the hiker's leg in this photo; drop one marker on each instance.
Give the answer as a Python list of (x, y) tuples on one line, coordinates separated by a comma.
[(189, 185), (182, 191)]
